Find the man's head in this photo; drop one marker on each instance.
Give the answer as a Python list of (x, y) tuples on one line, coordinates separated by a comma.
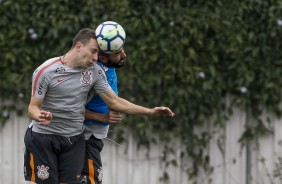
[(85, 47), (84, 36), (115, 60), (111, 38)]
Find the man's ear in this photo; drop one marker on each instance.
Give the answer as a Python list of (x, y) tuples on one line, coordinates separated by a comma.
[(78, 46)]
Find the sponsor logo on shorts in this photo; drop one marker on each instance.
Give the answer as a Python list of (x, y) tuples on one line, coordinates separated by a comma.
[(86, 77), (43, 173), (25, 173), (100, 176), (83, 180)]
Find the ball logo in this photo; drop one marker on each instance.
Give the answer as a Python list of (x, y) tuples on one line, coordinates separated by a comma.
[(110, 33), (86, 77), (43, 173)]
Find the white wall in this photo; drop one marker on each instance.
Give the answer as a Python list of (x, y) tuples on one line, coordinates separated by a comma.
[(123, 164)]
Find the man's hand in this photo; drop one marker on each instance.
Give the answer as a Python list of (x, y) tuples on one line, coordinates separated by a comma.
[(162, 111), (45, 118), (114, 117)]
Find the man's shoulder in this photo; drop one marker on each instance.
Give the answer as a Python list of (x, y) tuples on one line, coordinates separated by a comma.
[(105, 68), (96, 68), (49, 65)]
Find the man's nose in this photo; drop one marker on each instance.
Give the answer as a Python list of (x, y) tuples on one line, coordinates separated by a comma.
[(123, 52), (95, 57)]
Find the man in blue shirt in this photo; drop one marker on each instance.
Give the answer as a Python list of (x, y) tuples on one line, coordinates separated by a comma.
[(98, 117)]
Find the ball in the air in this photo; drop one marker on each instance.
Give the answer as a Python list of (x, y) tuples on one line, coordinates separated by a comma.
[(110, 36)]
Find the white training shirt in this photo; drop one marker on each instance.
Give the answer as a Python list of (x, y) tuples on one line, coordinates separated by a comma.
[(64, 92)]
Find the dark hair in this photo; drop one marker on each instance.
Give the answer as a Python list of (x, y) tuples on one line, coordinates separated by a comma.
[(84, 36)]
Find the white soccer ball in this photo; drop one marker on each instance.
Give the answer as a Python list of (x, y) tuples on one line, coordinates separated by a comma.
[(110, 36)]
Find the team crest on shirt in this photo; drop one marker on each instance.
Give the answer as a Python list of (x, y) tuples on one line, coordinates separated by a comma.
[(43, 173), (86, 77), (100, 176)]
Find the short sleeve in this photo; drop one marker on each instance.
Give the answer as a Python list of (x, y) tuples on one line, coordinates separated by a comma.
[(40, 83), (101, 85)]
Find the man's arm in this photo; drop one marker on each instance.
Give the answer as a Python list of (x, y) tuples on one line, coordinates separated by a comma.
[(121, 105), (111, 118), (34, 112)]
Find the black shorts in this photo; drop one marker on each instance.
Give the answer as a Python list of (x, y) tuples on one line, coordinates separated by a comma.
[(53, 159), (93, 169)]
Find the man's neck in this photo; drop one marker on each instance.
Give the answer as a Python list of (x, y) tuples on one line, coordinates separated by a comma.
[(69, 60)]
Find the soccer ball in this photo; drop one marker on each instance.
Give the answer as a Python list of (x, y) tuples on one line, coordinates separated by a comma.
[(110, 36)]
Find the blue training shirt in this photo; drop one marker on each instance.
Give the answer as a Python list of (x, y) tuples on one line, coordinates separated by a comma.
[(96, 104)]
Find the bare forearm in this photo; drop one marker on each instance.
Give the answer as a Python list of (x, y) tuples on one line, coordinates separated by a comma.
[(121, 105), (93, 116), (127, 107), (33, 112)]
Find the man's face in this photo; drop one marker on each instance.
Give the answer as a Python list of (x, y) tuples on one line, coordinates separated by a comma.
[(115, 60), (88, 54)]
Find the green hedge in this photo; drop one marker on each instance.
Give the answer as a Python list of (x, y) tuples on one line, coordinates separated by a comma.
[(188, 55)]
